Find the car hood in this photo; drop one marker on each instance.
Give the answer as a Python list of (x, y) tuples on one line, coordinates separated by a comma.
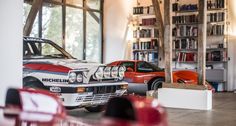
[(70, 64)]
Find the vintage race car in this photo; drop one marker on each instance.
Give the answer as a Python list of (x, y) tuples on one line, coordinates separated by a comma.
[(143, 76), (78, 83)]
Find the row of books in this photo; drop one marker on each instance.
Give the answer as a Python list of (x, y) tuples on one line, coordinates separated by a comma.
[(153, 44), (186, 57), (216, 56), (146, 33), (146, 56), (143, 10), (214, 4), (215, 29), (216, 46), (185, 30), (148, 21), (192, 57), (211, 4), (187, 43), (185, 19), (185, 7), (216, 17)]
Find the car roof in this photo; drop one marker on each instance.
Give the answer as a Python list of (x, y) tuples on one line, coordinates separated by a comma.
[(128, 60), (35, 39)]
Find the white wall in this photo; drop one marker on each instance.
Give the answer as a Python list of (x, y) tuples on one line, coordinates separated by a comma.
[(231, 46), (116, 14), (11, 13)]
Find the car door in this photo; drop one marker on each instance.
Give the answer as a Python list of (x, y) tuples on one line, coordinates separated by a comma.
[(130, 70)]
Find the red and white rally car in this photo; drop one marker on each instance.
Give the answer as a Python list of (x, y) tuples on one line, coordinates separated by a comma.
[(78, 83)]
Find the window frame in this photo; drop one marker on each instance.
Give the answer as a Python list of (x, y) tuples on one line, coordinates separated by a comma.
[(85, 9)]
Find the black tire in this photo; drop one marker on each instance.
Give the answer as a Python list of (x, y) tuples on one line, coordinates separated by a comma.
[(155, 84), (98, 108)]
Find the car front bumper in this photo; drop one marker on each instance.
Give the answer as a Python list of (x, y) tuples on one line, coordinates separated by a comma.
[(94, 94), (88, 98)]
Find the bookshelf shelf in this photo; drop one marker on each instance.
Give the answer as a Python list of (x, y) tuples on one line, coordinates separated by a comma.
[(184, 36), (216, 22), (145, 50), (185, 39), (144, 15), (145, 34), (146, 38), (186, 11), (216, 9), (189, 23)]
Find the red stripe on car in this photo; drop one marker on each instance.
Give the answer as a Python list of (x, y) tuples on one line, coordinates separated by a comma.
[(48, 67)]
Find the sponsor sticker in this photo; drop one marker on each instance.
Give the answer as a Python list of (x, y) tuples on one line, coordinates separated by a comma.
[(55, 89)]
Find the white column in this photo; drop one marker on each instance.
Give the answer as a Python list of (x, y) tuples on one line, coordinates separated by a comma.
[(11, 14)]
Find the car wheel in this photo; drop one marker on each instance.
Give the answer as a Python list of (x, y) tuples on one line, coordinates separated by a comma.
[(157, 83), (98, 108), (33, 85)]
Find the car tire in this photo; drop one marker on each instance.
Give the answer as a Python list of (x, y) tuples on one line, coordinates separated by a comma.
[(98, 108), (33, 85), (157, 83)]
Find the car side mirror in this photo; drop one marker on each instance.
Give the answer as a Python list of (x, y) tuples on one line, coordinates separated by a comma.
[(129, 69)]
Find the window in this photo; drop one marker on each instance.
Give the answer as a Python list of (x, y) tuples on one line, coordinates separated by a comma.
[(26, 11), (93, 37), (52, 23), (128, 65), (74, 32), (145, 67), (80, 32), (93, 4)]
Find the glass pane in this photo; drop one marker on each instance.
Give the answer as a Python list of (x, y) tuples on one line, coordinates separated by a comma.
[(93, 37), (35, 29), (26, 11), (74, 32), (75, 2), (93, 4), (52, 23)]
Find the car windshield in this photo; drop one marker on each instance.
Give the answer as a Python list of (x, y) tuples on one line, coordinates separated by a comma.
[(147, 67), (43, 50)]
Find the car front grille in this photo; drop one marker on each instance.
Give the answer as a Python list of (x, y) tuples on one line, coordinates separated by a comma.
[(98, 97), (103, 89)]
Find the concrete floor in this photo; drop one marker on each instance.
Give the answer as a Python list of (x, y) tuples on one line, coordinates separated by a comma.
[(222, 114)]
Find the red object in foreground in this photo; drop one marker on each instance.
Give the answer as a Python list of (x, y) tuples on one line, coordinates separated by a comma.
[(134, 110), (40, 108), (147, 76)]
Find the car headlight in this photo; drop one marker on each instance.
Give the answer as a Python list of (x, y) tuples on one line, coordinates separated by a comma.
[(99, 73), (114, 72), (79, 78), (72, 77), (121, 72), (107, 72)]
